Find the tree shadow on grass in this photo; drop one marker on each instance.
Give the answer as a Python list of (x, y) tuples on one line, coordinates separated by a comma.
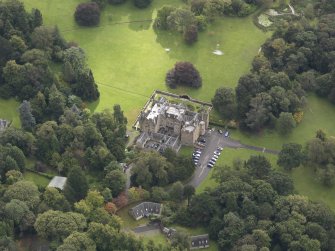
[(93, 105), (140, 19)]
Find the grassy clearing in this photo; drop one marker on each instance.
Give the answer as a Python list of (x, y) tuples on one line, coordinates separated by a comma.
[(30, 163), (9, 111), (157, 237), (186, 151), (129, 61), (305, 183), (39, 180)]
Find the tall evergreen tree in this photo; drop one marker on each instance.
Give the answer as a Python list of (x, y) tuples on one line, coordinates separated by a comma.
[(86, 88), (76, 185), (37, 19), (57, 102), (27, 119)]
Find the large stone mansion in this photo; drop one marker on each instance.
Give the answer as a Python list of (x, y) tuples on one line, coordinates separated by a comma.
[(171, 124)]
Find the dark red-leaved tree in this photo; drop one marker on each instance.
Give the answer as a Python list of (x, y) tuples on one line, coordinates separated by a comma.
[(121, 200), (183, 73), (191, 34), (87, 14)]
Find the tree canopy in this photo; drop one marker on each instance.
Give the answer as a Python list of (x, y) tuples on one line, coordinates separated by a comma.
[(183, 73), (87, 14)]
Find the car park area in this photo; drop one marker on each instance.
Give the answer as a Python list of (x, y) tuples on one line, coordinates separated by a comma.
[(208, 150), (206, 153)]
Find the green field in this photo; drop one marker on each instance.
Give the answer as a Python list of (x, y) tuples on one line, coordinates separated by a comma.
[(39, 180), (129, 61), (306, 184), (156, 237), (8, 111)]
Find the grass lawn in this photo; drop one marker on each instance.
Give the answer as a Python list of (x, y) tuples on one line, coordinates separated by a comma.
[(157, 237), (30, 163), (39, 180), (9, 111), (129, 61), (128, 221), (186, 151), (306, 184)]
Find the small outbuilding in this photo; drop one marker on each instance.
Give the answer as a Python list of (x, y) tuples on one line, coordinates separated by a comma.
[(58, 182), (169, 232), (3, 124), (199, 241)]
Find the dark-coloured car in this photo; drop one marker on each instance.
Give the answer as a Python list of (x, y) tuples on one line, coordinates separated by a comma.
[(210, 165)]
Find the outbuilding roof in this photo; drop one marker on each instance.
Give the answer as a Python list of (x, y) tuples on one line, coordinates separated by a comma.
[(58, 182), (199, 241)]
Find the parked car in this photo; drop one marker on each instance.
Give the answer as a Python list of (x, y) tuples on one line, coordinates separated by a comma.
[(212, 161), (226, 134), (220, 149), (220, 131), (202, 140), (217, 153), (215, 157), (210, 165)]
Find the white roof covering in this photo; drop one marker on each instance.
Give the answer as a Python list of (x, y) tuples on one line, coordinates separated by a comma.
[(189, 128), (173, 111), (58, 182), (154, 112)]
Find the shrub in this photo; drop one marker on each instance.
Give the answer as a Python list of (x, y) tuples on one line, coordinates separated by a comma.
[(162, 16), (142, 3), (183, 73), (201, 22), (198, 6), (87, 14), (286, 123), (298, 116), (191, 34)]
